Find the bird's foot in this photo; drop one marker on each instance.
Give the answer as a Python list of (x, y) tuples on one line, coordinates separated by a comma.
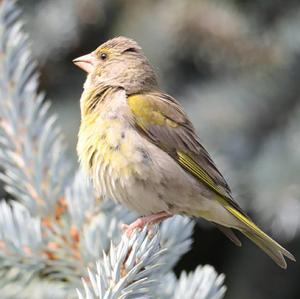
[(140, 223)]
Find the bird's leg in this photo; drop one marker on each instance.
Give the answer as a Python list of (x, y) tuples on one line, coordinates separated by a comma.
[(142, 221)]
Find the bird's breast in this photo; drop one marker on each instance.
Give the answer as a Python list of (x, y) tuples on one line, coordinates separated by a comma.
[(112, 154)]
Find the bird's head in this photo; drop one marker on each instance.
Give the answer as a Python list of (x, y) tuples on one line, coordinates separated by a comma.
[(118, 62)]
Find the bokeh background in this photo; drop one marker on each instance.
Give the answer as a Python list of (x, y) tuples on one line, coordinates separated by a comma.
[(235, 67)]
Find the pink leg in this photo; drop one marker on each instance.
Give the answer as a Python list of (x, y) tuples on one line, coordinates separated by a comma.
[(141, 222)]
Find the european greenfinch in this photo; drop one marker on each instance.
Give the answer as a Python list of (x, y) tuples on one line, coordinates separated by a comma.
[(139, 148)]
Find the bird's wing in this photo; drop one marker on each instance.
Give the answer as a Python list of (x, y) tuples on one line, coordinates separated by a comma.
[(162, 120)]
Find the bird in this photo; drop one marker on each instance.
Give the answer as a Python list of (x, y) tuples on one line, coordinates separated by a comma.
[(139, 147)]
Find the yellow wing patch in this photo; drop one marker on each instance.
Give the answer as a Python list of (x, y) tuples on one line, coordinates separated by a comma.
[(194, 168), (146, 112)]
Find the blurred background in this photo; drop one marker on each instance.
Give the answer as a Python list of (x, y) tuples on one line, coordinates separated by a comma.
[(235, 67)]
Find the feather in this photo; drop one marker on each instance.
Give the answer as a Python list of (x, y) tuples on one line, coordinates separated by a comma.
[(229, 234), (261, 239)]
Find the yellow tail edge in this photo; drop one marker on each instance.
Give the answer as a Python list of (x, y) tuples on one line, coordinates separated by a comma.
[(274, 250)]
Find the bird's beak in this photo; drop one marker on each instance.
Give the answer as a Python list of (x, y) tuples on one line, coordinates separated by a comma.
[(86, 62)]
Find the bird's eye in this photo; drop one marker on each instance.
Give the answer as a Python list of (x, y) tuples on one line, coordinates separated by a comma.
[(103, 56)]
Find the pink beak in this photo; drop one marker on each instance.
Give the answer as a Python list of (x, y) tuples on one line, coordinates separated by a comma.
[(86, 62)]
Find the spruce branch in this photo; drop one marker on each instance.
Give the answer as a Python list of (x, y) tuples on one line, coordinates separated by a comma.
[(32, 153), (20, 231), (176, 236), (133, 269), (128, 271), (203, 283), (20, 248)]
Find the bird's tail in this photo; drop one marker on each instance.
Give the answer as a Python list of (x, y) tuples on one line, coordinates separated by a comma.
[(261, 239)]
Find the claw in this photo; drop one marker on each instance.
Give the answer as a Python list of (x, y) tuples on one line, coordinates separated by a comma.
[(140, 223)]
